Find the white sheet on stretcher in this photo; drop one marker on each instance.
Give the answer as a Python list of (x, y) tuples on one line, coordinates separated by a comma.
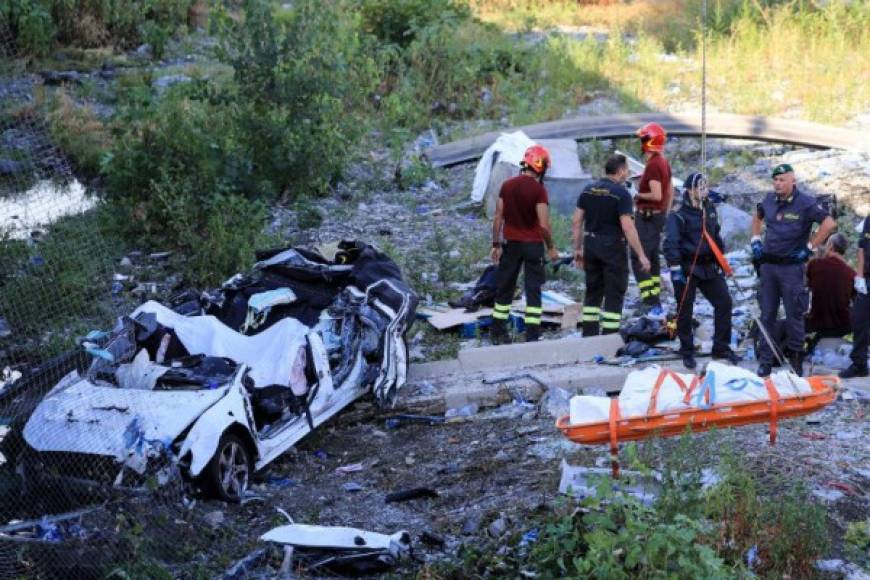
[(724, 383)]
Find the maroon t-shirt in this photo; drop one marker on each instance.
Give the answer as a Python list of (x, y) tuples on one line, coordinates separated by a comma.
[(520, 195), (657, 169), (830, 279)]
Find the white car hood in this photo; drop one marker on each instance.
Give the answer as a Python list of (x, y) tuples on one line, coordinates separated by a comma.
[(105, 420)]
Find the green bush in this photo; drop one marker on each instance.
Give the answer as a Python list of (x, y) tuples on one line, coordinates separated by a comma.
[(303, 81), (278, 130), (398, 21), (37, 24)]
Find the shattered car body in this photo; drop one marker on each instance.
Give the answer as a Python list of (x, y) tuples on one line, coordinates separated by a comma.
[(221, 385)]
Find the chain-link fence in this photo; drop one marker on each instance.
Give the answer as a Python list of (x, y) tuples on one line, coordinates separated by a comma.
[(87, 488)]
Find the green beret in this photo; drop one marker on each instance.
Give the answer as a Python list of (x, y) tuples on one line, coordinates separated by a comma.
[(782, 168)]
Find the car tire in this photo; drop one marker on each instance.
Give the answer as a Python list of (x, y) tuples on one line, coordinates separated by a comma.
[(229, 473)]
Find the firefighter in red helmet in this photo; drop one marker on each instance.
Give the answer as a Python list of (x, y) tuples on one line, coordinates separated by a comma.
[(520, 232), (653, 201)]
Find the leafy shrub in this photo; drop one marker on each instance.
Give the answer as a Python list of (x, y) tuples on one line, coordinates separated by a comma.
[(398, 21), (30, 23), (302, 81), (38, 24)]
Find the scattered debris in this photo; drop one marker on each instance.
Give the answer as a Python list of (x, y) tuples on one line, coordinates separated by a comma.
[(340, 549)]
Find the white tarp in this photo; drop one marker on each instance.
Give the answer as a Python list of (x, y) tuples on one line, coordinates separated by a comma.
[(270, 354), (510, 148), (724, 383)]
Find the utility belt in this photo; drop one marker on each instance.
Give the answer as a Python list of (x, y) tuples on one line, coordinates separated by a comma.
[(779, 260), (647, 213)]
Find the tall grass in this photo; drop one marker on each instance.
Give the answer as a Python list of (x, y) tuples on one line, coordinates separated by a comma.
[(770, 57)]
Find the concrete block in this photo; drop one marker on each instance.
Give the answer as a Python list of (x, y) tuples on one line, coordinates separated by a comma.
[(546, 352), (433, 370)]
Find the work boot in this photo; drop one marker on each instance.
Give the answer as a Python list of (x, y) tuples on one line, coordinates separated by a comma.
[(498, 333), (763, 370), (689, 362), (796, 360), (533, 333), (853, 371), (731, 356)]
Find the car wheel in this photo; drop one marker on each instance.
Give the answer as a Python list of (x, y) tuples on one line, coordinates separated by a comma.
[(229, 472)]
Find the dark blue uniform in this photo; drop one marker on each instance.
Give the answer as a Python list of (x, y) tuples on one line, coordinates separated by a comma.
[(788, 223), (605, 254), (861, 308), (683, 242)]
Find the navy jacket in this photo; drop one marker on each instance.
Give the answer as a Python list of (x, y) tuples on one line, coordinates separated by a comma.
[(788, 222), (683, 235)]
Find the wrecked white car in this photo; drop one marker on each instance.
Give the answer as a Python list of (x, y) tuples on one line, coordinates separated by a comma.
[(220, 386)]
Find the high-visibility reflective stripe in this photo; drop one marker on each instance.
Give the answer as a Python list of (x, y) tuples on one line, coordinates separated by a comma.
[(534, 310), (502, 307), (591, 310), (645, 283), (656, 279), (608, 324), (646, 294), (590, 318), (532, 320), (655, 291), (500, 315), (611, 315)]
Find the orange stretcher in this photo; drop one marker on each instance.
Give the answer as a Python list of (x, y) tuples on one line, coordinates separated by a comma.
[(723, 415)]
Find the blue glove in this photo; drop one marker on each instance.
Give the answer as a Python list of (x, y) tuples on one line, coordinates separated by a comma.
[(757, 250), (677, 276), (802, 255)]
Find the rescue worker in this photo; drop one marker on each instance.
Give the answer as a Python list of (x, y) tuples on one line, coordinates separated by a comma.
[(653, 203), (861, 309), (787, 215), (693, 266), (522, 220), (603, 221)]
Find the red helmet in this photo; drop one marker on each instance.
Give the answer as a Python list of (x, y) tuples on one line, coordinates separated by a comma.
[(652, 137), (537, 159)]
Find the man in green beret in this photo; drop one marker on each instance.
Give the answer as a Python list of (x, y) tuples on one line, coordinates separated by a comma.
[(787, 216)]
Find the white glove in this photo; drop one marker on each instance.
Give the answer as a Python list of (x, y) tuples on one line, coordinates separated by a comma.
[(860, 285)]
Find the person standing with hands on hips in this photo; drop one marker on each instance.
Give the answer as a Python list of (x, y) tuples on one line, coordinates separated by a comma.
[(787, 216), (522, 220)]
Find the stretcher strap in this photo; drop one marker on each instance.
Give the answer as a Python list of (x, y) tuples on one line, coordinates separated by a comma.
[(663, 374), (614, 441), (774, 407)]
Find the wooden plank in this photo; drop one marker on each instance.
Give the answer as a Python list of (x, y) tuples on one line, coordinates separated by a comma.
[(757, 128)]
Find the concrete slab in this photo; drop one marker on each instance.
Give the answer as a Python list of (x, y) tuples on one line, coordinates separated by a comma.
[(546, 352), (433, 370)]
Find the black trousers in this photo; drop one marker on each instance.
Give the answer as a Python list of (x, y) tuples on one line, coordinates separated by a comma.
[(861, 330), (649, 230), (606, 266), (715, 290), (528, 256), (785, 283)]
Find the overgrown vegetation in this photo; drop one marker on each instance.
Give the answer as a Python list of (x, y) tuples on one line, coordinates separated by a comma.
[(727, 530), (39, 25)]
